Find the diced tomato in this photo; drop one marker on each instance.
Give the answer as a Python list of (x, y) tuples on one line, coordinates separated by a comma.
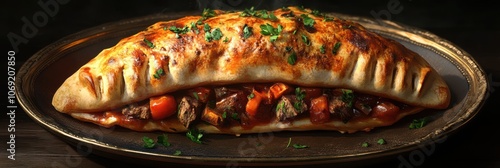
[(319, 110), (385, 111), (253, 103), (278, 89), (162, 106), (311, 92)]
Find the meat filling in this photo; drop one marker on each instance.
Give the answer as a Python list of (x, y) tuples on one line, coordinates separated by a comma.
[(139, 111)]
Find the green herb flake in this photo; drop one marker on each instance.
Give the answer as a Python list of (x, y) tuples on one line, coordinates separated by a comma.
[(195, 95), (159, 73), (365, 144), (247, 31), (250, 96), (163, 139), (248, 12), (149, 43), (322, 49), (327, 18), (235, 116), (195, 28), (336, 47), (272, 17), (316, 13), (269, 30), (284, 8), (419, 123), (217, 34), (300, 94), (224, 115), (306, 40), (302, 8), (308, 21), (381, 141), (292, 58), (207, 13), (177, 153), (288, 48), (148, 142), (299, 146), (348, 97), (195, 135), (346, 26), (225, 40), (206, 27)]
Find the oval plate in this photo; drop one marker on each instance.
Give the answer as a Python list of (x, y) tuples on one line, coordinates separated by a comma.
[(44, 72)]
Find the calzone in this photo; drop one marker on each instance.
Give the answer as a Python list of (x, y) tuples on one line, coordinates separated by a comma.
[(252, 71)]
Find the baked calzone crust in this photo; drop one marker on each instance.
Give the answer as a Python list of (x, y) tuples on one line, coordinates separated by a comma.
[(253, 71)]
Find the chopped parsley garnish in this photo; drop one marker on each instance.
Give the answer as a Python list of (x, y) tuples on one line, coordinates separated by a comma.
[(148, 142), (177, 153), (224, 115), (280, 106), (327, 18), (178, 31), (316, 13), (163, 139), (264, 14), (216, 34), (195, 28), (195, 135), (348, 97), (296, 146), (207, 13), (284, 8), (299, 146), (195, 95), (308, 21), (365, 144), (206, 27), (269, 30), (336, 47), (288, 48), (381, 141), (292, 58), (149, 43), (247, 31), (249, 12), (159, 73), (225, 40), (250, 96), (235, 116), (306, 40), (322, 49), (300, 94), (419, 123)]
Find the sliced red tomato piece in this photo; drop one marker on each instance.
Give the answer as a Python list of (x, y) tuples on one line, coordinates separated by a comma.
[(386, 111), (162, 106)]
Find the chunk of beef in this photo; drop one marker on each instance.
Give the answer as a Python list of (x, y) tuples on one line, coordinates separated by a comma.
[(289, 106), (339, 108), (188, 109), (138, 111)]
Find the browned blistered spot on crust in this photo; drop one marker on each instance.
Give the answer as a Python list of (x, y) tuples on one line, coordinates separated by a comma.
[(139, 57)]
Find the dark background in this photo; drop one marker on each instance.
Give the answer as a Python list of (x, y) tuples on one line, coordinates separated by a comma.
[(472, 25)]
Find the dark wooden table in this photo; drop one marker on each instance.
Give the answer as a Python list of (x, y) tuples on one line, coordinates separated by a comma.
[(475, 27)]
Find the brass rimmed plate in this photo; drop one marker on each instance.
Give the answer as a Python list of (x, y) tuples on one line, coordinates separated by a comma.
[(40, 76)]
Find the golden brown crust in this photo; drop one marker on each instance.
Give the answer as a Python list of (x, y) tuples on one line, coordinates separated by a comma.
[(365, 62)]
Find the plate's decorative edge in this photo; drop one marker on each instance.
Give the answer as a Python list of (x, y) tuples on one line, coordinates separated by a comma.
[(477, 74)]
